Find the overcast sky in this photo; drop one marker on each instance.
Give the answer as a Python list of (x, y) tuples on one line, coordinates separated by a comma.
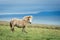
[(22, 6), (45, 11)]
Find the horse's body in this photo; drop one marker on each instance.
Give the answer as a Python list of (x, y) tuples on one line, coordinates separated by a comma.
[(20, 23)]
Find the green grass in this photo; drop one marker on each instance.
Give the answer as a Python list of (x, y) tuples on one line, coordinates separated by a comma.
[(33, 34)]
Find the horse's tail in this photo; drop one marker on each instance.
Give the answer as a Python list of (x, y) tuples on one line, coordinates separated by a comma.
[(12, 29), (10, 24)]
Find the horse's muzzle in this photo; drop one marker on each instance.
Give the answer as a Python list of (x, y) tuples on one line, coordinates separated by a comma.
[(30, 22)]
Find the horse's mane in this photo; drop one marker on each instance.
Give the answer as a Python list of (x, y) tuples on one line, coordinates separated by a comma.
[(22, 18), (27, 17)]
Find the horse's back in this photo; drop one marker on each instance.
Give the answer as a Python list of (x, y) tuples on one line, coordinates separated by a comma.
[(17, 21)]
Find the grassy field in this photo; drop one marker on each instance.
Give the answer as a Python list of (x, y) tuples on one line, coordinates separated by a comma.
[(33, 34)]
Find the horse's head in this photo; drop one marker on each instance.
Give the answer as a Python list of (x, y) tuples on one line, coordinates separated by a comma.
[(28, 19)]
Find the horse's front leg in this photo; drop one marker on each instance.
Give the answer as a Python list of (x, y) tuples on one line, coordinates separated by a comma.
[(23, 29)]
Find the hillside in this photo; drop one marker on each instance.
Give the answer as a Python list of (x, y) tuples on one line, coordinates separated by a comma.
[(5, 23)]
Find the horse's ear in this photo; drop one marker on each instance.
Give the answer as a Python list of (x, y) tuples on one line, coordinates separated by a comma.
[(30, 16)]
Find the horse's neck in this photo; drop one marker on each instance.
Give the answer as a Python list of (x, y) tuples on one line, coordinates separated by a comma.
[(25, 20)]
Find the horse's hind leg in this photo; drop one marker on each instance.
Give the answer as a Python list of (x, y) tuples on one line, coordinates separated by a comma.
[(12, 29), (23, 29)]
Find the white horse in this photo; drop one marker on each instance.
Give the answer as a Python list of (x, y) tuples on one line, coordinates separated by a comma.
[(20, 23)]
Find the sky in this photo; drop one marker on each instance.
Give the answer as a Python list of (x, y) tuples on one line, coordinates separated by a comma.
[(43, 11)]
